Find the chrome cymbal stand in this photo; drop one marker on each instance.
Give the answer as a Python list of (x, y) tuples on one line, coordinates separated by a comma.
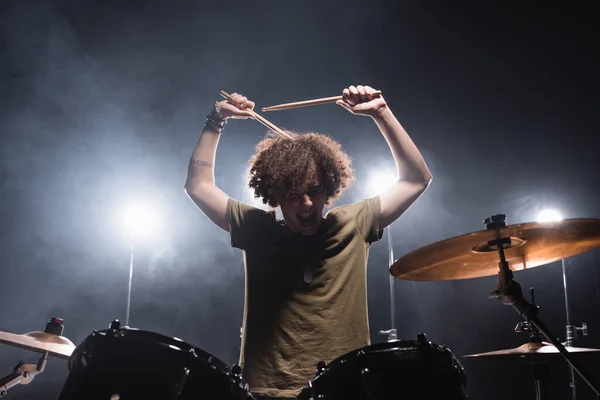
[(538, 365), (22, 374), (509, 293)]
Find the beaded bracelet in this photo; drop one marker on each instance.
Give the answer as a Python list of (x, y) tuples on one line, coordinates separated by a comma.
[(214, 120)]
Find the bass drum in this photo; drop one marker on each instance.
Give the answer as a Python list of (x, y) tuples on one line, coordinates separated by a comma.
[(400, 369), (132, 364)]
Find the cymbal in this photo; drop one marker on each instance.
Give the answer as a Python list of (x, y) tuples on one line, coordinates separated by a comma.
[(468, 256), (533, 348), (41, 342)]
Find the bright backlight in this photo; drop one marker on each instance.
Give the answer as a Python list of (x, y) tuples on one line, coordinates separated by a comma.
[(549, 215)]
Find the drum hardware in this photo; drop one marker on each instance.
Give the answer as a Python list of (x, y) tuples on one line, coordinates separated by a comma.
[(526, 326), (390, 333), (535, 353), (114, 326), (519, 246), (237, 376), (572, 332), (185, 373), (310, 391), (536, 348), (321, 365), (430, 371), (532, 353), (122, 362), (509, 293), (49, 342), (22, 374)]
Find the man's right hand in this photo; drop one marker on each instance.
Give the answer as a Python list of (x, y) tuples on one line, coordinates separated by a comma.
[(238, 107)]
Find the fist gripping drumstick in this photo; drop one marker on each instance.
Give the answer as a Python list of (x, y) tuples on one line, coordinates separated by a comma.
[(314, 102), (262, 120)]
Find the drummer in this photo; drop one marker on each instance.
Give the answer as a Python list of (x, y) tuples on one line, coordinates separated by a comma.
[(305, 292)]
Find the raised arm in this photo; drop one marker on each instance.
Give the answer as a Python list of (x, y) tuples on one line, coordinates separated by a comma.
[(200, 182), (414, 176)]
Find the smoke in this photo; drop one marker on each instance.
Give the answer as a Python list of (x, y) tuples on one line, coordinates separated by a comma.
[(86, 127)]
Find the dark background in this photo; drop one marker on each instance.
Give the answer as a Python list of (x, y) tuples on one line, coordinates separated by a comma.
[(102, 102)]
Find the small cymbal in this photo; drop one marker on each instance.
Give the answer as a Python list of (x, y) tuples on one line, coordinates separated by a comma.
[(468, 256), (41, 342), (533, 348)]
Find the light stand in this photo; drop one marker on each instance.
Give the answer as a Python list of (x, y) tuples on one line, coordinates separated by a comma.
[(139, 222), (129, 289), (571, 331), (391, 333), (509, 293), (378, 182)]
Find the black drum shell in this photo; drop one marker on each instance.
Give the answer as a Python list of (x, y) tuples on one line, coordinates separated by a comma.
[(400, 369), (135, 364)]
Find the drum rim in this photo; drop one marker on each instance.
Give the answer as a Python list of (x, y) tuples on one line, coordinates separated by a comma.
[(323, 375), (398, 344), (158, 339), (391, 345)]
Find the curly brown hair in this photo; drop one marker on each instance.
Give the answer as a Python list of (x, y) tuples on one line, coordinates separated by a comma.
[(282, 166)]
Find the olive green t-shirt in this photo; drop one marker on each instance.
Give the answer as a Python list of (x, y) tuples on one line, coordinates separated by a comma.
[(305, 297)]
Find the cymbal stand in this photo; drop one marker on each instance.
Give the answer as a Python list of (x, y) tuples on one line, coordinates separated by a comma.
[(22, 374), (571, 331), (509, 293), (538, 365), (392, 332), (526, 326)]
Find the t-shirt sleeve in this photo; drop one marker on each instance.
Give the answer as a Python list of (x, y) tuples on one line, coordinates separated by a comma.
[(244, 221), (367, 219)]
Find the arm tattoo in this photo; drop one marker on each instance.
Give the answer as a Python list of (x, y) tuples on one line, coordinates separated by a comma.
[(200, 163)]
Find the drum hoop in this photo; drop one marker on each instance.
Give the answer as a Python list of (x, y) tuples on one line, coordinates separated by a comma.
[(152, 338), (389, 346)]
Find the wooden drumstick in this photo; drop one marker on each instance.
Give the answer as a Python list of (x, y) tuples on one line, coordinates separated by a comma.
[(314, 102), (262, 120)]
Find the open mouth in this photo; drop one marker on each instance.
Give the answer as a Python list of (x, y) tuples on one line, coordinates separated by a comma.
[(307, 219)]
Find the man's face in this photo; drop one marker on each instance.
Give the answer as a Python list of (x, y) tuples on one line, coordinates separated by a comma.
[(303, 212)]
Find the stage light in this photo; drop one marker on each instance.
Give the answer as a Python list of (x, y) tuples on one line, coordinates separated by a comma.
[(140, 220), (380, 180), (253, 201), (549, 215)]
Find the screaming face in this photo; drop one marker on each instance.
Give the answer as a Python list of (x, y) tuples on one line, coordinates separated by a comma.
[(303, 212)]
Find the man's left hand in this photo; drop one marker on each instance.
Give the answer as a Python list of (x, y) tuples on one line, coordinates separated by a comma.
[(360, 100)]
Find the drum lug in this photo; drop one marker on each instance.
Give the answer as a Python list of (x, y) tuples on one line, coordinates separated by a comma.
[(422, 339), (115, 325), (236, 375), (321, 365), (236, 370)]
